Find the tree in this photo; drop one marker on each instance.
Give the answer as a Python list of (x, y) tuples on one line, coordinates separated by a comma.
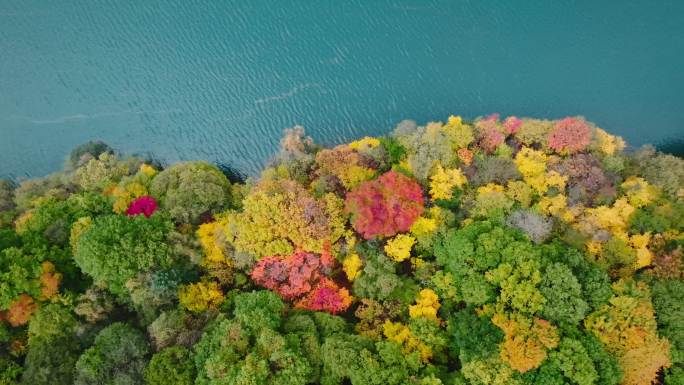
[(569, 135), (52, 362), (596, 289), (443, 182), (432, 143), (526, 341), (9, 371), (492, 169), (200, 296), (587, 180), (483, 257), (534, 131), (627, 328), (385, 206), (280, 216), (7, 205), (20, 273), (50, 322), (490, 371), (563, 293), (116, 248), (177, 327), (668, 302), (378, 280), (570, 363), (372, 314), (118, 357), (356, 359), (86, 151), (103, 171), (189, 189), (473, 337), (350, 166), (535, 226), (607, 366), (663, 170), (253, 347), (94, 305), (171, 366)]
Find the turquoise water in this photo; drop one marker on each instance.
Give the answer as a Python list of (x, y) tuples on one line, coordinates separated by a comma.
[(219, 80)]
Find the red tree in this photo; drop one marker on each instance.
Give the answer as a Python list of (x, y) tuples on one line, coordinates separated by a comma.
[(569, 136), (385, 206), (303, 277)]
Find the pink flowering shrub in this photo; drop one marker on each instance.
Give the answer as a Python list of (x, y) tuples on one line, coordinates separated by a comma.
[(303, 277), (569, 136), (385, 206), (145, 205)]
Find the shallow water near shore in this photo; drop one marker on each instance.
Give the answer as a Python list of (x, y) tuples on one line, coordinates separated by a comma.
[(220, 80)]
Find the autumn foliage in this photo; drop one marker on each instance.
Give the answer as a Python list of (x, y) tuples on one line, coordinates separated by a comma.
[(569, 136), (385, 206), (145, 205), (498, 251), (303, 277)]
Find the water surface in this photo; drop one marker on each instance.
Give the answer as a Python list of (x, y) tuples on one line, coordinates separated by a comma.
[(219, 80)]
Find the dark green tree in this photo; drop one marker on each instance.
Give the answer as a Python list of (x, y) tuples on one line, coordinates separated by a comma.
[(118, 357)]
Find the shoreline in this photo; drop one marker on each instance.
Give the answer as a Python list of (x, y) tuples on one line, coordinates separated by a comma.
[(448, 253)]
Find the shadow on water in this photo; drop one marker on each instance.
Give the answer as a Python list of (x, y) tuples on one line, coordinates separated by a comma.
[(234, 175), (674, 146)]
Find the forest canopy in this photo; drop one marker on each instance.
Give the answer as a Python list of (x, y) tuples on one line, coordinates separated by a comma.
[(485, 252)]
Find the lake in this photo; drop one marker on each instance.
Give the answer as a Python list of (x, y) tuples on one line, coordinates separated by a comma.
[(219, 80)]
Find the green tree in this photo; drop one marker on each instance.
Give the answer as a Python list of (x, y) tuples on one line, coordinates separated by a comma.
[(668, 301), (471, 251), (9, 371), (52, 362), (253, 348), (563, 293), (53, 347), (171, 366), (473, 337), (51, 322), (189, 189), (116, 248), (118, 357), (86, 151), (569, 364)]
